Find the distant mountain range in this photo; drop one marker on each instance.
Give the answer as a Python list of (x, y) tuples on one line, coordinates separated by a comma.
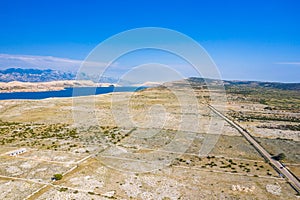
[(33, 75), (44, 75)]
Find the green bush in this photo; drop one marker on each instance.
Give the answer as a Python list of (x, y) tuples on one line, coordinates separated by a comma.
[(57, 176), (63, 189), (279, 157)]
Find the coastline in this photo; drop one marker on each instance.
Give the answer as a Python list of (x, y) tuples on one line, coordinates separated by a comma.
[(67, 93), (16, 86)]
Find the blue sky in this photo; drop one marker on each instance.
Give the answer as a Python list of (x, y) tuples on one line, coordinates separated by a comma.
[(249, 40)]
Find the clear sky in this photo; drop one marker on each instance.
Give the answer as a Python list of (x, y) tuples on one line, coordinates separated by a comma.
[(249, 40)]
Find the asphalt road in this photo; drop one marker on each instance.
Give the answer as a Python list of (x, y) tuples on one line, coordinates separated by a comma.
[(276, 164)]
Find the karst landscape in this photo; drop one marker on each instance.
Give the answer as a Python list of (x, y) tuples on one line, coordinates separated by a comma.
[(98, 159)]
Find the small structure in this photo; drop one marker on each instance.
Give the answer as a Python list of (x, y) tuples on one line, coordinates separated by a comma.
[(17, 152)]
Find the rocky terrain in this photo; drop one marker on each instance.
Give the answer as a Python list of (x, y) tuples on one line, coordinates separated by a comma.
[(34, 75), (16, 86), (101, 155), (37, 80)]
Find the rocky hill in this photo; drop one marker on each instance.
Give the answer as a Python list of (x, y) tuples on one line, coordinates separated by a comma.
[(195, 81), (34, 75), (47, 75)]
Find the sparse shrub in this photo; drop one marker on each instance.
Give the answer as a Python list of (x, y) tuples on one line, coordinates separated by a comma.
[(57, 176), (63, 189), (280, 157)]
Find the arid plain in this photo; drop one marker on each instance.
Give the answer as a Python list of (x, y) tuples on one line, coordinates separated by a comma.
[(86, 140)]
